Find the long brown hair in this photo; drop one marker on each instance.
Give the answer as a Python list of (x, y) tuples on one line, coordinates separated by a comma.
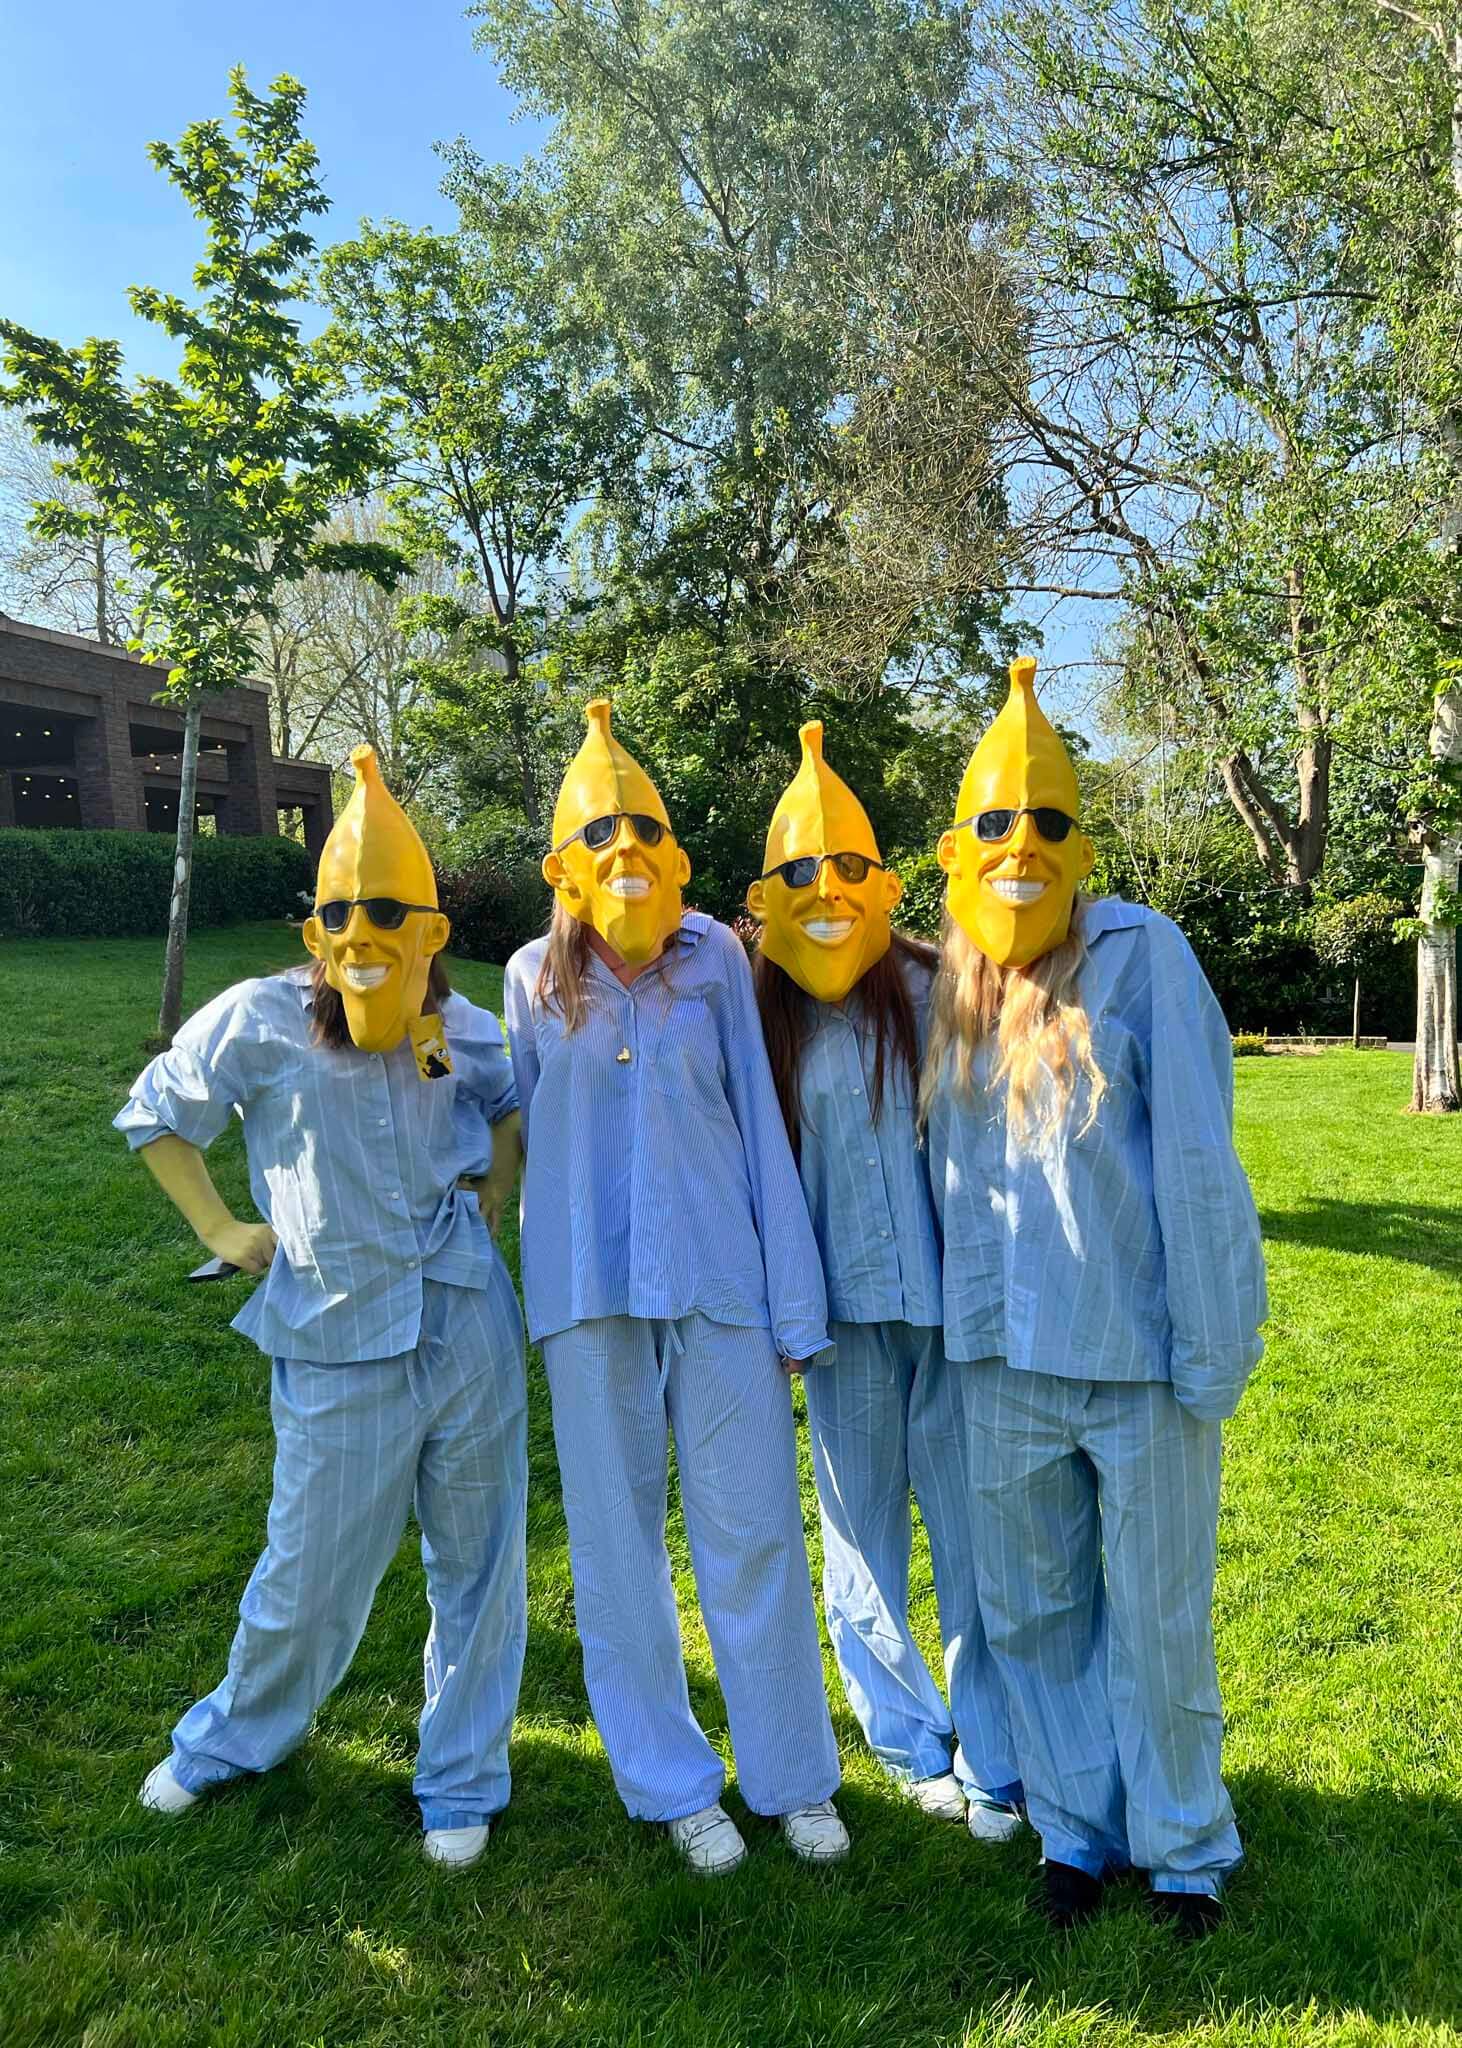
[(328, 1025), (560, 983), (1039, 1021), (883, 1003)]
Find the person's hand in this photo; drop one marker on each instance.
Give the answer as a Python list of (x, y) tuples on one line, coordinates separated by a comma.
[(493, 1191), (798, 1365), (249, 1246)]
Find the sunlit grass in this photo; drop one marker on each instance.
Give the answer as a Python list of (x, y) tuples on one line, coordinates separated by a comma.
[(134, 1475)]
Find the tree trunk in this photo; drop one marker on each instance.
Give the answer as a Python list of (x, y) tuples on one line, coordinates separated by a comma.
[(1435, 1082), (99, 578), (170, 1015), (1355, 1019), (1436, 1085)]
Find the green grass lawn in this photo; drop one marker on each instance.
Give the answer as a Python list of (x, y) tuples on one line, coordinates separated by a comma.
[(297, 1909)]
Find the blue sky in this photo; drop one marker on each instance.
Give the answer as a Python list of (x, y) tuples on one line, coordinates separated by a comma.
[(84, 87)]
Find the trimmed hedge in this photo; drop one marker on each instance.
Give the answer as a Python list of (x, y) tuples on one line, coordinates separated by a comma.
[(118, 884)]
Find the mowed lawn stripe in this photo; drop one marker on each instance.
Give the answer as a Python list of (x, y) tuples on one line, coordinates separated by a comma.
[(135, 1462)]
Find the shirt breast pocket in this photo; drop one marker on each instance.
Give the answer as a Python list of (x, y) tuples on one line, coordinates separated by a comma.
[(687, 1064)]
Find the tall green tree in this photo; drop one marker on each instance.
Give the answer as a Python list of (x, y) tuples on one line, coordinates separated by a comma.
[(703, 169), (1210, 399), (501, 430), (220, 483)]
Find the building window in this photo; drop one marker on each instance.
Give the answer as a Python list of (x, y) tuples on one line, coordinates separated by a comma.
[(46, 800)]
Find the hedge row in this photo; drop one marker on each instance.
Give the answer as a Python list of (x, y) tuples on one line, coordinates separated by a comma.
[(117, 884)]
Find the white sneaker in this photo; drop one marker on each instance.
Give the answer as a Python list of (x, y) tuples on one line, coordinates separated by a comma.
[(710, 1841), (816, 1834), (941, 1798), (454, 1847), (161, 1792), (994, 1823)]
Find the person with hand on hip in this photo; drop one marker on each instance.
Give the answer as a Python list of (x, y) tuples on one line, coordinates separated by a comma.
[(372, 1098)]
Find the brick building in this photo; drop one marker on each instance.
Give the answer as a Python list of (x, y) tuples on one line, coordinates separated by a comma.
[(82, 744)]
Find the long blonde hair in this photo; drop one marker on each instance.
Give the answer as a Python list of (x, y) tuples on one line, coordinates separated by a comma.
[(1044, 1033)]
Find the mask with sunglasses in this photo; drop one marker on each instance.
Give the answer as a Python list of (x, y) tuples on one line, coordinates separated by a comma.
[(1016, 855), (376, 923), (615, 864), (825, 898)]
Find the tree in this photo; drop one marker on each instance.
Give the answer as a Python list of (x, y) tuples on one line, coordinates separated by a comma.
[(1355, 934), (220, 483), (343, 667), (681, 203), (1216, 438), (74, 581), (495, 443)]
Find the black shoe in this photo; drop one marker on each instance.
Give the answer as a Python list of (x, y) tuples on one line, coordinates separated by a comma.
[(1190, 1915), (1071, 1895)]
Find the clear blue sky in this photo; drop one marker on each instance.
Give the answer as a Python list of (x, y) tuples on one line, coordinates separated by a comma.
[(85, 86)]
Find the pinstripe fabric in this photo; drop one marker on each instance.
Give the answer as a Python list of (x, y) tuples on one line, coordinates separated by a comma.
[(620, 1386), (444, 1425), (1132, 1253), (659, 1179), (887, 1413), (353, 1159), (1110, 1675), (867, 1186)]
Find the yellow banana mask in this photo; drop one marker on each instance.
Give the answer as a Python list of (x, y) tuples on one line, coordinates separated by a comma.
[(828, 927), (1014, 857), (376, 923), (615, 864)]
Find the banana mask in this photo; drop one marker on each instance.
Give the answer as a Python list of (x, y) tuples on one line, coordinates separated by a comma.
[(1015, 855), (825, 898), (615, 864), (376, 923)]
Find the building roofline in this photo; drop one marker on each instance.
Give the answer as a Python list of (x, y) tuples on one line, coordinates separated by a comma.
[(97, 647)]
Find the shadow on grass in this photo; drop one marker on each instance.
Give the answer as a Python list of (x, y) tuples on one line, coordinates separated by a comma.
[(1390, 1230), (582, 1925)]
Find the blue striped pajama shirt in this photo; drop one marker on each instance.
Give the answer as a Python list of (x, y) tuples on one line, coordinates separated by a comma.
[(888, 1414), (668, 1260), (1112, 1287), (397, 1376)]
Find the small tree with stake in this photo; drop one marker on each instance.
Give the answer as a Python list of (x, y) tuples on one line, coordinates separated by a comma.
[(1355, 934), (220, 483)]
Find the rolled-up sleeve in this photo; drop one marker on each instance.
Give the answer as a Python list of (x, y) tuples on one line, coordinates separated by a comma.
[(1215, 1258), (192, 1089), (796, 1294), (486, 1071)]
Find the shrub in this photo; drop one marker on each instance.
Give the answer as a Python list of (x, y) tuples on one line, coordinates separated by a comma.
[(921, 908), (118, 884), (494, 908), (1248, 1043)]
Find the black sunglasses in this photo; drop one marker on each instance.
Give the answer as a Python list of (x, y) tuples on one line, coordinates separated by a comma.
[(383, 911), (802, 872), (992, 826), (599, 831)]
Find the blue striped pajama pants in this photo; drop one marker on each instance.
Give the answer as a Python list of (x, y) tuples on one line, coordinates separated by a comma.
[(444, 1425), (889, 1414), (620, 1386), (1110, 1673)]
